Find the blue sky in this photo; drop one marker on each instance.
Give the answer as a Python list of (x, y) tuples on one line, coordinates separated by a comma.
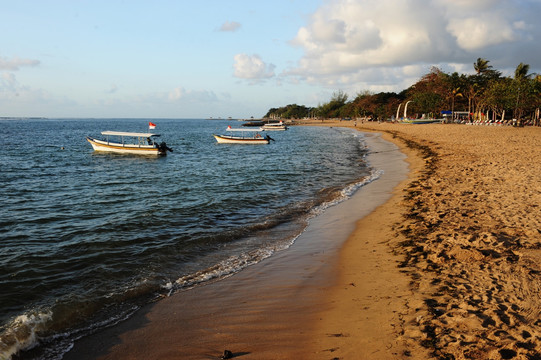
[(238, 58)]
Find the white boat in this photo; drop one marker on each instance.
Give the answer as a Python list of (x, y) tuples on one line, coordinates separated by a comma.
[(246, 137), (129, 143), (280, 126)]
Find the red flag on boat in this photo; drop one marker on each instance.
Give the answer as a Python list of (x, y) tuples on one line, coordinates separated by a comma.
[(229, 127), (151, 126)]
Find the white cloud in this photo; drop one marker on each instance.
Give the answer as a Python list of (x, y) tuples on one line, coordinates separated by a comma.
[(197, 96), (346, 42), (413, 70), (230, 26), (15, 63), (480, 31), (252, 68)]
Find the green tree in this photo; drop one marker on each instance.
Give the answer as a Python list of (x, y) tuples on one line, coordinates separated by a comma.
[(499, 96), (429, 93), (484, 91), (523, 88), (521, 72), (380, 106), (428, 102), (332, 108), (484, 70), (292, 111), (456, 85), (481, 66), (537, 91)]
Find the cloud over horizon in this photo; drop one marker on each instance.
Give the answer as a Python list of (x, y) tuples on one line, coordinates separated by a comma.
[(15, 63), (195, 96), (252, 68), (346, 42)]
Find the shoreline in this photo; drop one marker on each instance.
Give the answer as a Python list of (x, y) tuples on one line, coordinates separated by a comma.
[(372, 297), (449, 267), (252, 312)]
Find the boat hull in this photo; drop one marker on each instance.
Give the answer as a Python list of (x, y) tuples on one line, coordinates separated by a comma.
[(274, 126), (112, 147), (226, 139)]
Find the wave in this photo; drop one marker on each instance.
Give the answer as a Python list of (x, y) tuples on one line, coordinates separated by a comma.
[(348, 191), (27, 331), (21, 332), (236, 263)]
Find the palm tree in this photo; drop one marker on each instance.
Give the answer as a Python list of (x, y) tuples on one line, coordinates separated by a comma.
[(484, 71), (521, 72), (481, 66), (454, 94), (521, 75)]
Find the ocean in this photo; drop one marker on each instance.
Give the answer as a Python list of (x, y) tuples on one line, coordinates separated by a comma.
[(88, 238)]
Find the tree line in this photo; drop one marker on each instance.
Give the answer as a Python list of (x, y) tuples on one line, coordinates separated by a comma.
[(485, 95)]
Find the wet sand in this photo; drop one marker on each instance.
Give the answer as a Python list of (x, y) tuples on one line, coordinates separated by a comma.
[(448, 267), (267, 311)]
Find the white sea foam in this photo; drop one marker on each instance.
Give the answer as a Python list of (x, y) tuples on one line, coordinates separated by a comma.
[(348, 191), (224, 269), (20, 333)]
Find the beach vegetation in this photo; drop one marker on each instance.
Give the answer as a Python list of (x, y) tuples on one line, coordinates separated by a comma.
[(335, 107), (378, 106), (484, 71), (292, 111), (481, 65), (486, 95), (499, 96), (429, 93), (523, 88)]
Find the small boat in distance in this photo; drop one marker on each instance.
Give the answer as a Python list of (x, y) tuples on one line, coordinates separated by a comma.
[(129, 143), (245, 137), (279, 126)]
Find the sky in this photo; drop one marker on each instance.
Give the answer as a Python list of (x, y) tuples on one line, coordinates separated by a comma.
[(239, 58)]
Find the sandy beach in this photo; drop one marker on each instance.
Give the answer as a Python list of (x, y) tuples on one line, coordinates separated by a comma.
[(469, 233), (446, 265)]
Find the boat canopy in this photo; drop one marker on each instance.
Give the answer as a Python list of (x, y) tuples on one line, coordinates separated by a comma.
[(134, 134)]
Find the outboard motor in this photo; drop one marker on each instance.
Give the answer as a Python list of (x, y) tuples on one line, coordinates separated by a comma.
[(163, 148)]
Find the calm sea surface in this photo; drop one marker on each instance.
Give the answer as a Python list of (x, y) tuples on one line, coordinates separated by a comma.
[(86, 238)]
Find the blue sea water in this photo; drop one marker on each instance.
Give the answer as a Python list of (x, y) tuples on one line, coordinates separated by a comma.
[(86, 238)]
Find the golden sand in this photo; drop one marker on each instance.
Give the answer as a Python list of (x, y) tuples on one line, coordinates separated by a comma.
[(466, 233)]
